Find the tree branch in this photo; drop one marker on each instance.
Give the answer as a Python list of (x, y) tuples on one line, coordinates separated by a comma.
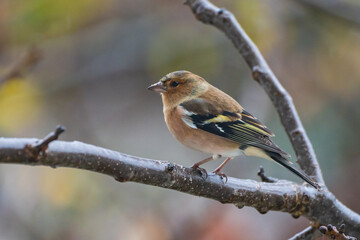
[(264, 178), (226, 22), (282, 195), (33, 150)]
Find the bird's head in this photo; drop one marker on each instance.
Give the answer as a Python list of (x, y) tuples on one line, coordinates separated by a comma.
[(179, 86)]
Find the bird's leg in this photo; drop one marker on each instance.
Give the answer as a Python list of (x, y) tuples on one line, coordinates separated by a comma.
[(202, 170), (196, 165), (217, 170)]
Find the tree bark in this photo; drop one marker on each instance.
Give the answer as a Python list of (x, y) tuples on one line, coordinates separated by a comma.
[(320, 207)]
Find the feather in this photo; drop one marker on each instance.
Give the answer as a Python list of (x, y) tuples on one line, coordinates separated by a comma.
[(285, 163), (240, 126)]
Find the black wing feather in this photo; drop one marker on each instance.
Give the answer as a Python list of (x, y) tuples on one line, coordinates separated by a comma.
[(242, 128)]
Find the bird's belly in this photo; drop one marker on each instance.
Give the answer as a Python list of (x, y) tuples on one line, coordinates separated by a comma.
[(210, 143), (202, 141)]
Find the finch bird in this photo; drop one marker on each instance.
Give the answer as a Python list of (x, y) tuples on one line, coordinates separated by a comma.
[(206, 119)]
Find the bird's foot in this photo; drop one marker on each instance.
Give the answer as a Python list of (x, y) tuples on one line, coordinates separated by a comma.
[(200, 170), (222, 175)]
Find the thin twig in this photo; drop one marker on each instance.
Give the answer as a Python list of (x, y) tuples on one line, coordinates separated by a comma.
[(306, 234), (264, 178), (33, 150), (226, 22)]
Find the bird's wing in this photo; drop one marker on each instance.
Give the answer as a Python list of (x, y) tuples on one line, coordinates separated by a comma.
[(240, 126)]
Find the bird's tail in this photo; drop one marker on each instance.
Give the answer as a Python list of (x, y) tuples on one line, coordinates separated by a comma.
[(286, 163)]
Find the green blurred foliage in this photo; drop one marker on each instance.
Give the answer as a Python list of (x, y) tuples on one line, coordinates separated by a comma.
[(179, 47), (39, 19)]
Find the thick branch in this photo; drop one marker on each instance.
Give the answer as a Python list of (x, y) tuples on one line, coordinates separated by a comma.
[(226, 22), (280, 196)]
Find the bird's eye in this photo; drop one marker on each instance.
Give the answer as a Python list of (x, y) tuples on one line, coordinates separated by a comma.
[(174, 84)]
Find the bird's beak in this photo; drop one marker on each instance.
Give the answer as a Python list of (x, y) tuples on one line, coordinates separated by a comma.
[(157, 87)]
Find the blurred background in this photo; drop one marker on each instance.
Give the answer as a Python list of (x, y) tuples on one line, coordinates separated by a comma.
[(86, 64)]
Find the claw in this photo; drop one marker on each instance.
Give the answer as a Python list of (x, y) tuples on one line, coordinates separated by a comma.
[(222, 175), (200, 170)]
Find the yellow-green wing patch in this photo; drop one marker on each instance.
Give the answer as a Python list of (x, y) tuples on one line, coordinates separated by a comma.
[(252, 123)]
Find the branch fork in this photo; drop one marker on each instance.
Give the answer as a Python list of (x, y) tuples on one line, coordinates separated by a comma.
[(39, 147), (264, 178)]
